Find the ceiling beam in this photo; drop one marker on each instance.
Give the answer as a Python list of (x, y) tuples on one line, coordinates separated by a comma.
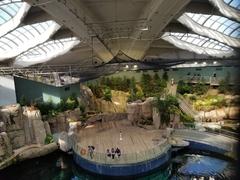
[(73, 15), (36, 17), (201, 8), (158, 13)]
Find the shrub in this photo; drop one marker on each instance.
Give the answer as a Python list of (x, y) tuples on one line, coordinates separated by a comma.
[(166, 107), (107, 95), (183, 88), (165, 76), (82, 108), (49, 139), (200, 89), (187, 120)]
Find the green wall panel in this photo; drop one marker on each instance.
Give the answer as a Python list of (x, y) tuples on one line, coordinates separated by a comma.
[(37, 91)]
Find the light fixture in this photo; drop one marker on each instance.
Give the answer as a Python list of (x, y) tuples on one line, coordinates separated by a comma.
[(195, 62), (135, 66), (144, 28), (215, 62), (204, 63), (126, 66)]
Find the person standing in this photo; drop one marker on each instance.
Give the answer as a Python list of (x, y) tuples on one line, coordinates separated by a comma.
[(120, 136), (113, 153)]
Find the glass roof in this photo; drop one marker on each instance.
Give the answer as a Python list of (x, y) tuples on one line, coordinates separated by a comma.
[(25, 37), (201, 41), (198, 44), (218, 23), (233, 3), (11, 13), (46, 51)]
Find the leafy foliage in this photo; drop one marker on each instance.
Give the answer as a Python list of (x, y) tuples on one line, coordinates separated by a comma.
[(152, 86), (107, 95), (71, 102), (165, 76), (50, 109), (167, 106), (49, 139), (209, 102), (185, 88), (133, 91), (96, 90), (116, 83), (187, 120)]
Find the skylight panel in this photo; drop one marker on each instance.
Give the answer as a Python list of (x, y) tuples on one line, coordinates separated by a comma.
[(199, 44), (234, 3), (236, 33), (229, 8), (46, 51), (214, 22), (11, 13), (25, 37)]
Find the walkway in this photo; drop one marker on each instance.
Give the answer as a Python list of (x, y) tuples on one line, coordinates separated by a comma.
[(218, 140)]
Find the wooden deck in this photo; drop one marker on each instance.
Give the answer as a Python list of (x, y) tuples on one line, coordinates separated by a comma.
[(106, 135)]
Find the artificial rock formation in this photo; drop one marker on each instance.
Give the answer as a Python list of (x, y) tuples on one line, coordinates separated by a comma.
[(5, 146), (105, 117), (117, 104), (134, 112), (12, 124), (147, 108), (156, 118), (34, 127)]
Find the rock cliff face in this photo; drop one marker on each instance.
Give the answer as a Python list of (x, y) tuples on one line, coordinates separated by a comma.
[(5, 146), (138, 111), (60, 122), (20, 126), (117, 105), (34, 126), (11, 118)]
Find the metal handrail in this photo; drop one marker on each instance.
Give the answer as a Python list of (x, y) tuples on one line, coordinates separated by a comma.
[(125, 158)]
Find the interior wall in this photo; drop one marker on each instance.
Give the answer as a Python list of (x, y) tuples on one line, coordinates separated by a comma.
[(181, 73), (37, 91), (7, 90)]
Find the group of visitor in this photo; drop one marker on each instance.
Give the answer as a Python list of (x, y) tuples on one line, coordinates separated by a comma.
[(114, 152), (91, 151)]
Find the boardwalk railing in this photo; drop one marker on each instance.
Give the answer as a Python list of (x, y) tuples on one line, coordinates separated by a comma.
[(125, 158), (185, 106)]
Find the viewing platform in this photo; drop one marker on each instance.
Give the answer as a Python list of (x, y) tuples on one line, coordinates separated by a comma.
[(141, 150)]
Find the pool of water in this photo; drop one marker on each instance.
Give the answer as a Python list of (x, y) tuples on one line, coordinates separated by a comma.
[(60, 166)]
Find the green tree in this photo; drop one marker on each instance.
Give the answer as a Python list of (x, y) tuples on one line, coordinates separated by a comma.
[(165, 76), (146, 84), (167, 106)]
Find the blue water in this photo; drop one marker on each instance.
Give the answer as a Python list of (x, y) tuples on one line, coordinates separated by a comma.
[(59, 166)]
